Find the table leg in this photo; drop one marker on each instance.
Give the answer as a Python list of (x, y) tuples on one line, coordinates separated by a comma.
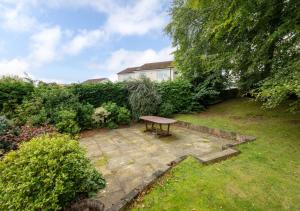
[(160, 127), (146, 126), (168, 129)]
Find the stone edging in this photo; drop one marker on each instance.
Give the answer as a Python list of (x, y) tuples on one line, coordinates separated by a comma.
[(206, 159), (217, 132)]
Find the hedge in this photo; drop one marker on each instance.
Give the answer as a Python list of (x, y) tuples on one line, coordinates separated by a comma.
[(97, 94), (180, 94), (12, 93)]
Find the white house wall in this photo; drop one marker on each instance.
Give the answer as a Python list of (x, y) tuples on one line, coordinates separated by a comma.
[(154, 75)]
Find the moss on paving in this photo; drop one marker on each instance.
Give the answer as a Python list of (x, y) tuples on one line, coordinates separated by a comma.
[(102, 161), (265, 176)]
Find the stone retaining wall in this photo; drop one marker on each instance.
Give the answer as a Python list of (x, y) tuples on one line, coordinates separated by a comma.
[(217, 132)]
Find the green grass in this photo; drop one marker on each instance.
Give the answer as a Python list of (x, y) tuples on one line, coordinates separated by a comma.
[(265, 176)]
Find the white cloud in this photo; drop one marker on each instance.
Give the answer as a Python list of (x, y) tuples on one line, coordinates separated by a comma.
[(48, 43), (84, 40), (16, 16), (44, 45), (122, 59), (13, 67), (124, 18), (43, 50), (140, 18)]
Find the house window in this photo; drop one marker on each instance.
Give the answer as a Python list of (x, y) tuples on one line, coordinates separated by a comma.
[(128, 77), (142, 75), (163, 75)]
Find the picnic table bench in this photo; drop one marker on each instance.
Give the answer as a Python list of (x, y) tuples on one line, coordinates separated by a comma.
[(160, 121)]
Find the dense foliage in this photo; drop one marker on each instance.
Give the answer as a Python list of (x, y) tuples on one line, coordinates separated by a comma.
[(72, 108), (144, 98), (12, 136), (12, 93), (56, 105), (180, 94), (166, 110), (111, 115), (100, 116), (97, 94), (253, 44), (4, 124), (47, 173)]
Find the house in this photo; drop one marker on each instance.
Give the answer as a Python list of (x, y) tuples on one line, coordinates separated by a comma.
[(158, 71), (96, 81)]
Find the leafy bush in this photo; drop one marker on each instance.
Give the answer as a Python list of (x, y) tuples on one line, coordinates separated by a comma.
[(27, 132), (47, 173), (100, 116), (39, 118), (4, 124), (166, 110), (124, 116), (112, 125), (117, 115), (144, 98), (13, 136), (97, 94), (12, 92), (84, 115), (180, 94), (56, 105), (66, 122), (113, 110)]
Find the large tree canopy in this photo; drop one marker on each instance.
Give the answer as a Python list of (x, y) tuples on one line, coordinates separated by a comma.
[(252, 43)]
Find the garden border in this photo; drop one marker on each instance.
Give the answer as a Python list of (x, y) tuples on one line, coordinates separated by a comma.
[(227, 152)]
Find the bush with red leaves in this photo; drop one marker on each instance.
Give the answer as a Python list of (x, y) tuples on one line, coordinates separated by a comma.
[(28, 132), (14, 136)]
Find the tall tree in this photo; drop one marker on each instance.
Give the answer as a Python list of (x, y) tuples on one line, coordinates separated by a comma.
[(254, 43)]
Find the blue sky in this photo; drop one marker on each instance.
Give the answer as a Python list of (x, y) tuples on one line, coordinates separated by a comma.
[(75, 40)]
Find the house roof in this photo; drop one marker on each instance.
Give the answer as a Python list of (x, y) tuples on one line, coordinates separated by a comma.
[(128, 70), (96, 80), (148, 66)]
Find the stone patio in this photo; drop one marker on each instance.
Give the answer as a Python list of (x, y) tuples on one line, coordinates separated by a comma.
[(126, 157)]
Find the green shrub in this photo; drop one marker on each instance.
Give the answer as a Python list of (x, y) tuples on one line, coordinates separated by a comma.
[(46, 173), (112, 125), (39, 118), (55, 105), (4, 124), (113, 110), (66, 122), (144, 98), (124, 116), (84, 115), (166, 110), (12, 92), (97, 94), (100, 116), (117, 115), (180, 93)]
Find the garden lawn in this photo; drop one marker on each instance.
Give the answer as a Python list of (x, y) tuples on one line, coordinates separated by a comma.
[(265, 176)]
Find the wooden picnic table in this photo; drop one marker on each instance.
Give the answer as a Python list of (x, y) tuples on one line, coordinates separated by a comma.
[(160, 121)]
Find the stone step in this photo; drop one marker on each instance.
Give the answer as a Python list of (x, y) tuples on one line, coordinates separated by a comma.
[(218, 156)]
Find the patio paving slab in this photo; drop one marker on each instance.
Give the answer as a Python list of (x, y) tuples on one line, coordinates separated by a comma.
[(127, 157)]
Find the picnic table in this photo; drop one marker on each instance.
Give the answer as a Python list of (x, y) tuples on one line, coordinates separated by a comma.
[(159, 121)]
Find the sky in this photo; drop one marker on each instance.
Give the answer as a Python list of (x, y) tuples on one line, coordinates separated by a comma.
[(67, 41)]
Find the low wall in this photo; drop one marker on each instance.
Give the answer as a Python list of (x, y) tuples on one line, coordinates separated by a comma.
[(217, 132)]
